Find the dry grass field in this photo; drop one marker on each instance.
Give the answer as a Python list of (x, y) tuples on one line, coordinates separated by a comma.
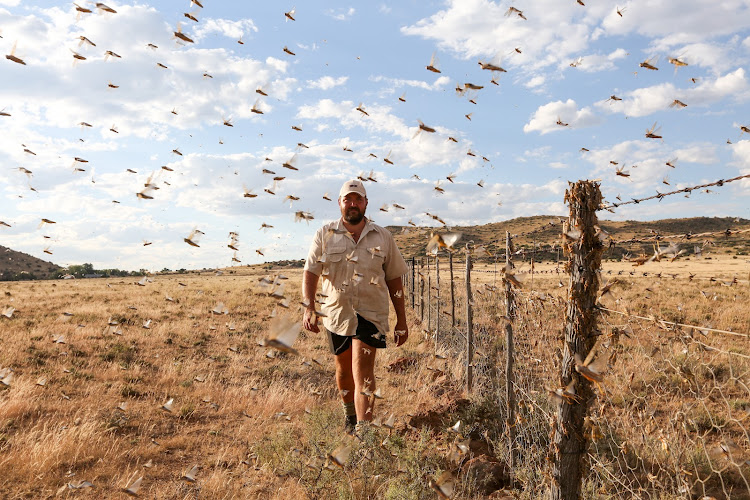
[(86, 398)]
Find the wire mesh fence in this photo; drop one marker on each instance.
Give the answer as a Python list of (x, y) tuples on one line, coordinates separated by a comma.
[(669, 417)]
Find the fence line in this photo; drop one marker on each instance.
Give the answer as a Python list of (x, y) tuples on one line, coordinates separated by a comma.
[(658, 410)]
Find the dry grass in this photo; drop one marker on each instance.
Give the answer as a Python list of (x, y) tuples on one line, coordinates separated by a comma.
[(240, 423), (252, 422)]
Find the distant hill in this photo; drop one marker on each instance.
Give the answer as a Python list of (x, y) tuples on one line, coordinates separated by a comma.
[(18, 265), (547, 229)]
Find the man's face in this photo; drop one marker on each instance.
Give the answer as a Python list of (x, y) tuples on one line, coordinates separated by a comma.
[(353, 207)]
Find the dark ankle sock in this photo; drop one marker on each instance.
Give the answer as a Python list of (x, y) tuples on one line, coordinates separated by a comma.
[(349, 409)]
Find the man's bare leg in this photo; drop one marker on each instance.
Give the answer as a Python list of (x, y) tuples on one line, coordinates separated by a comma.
[(344, 375), (363, 371)]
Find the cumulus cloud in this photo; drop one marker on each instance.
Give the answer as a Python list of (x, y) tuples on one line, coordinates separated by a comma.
[(342, 14), (592, 63), (546, 117), (534, 82), (645, 162), (327, 82), (741, 154), (234, 29), (394, 83), (648, 100), (556, 33)]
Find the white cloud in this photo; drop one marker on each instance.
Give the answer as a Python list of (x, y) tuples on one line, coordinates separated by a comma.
[(689, 20), (534, 82), (545, 118), (342, 14), (398, 83), (591, 63), (555, 33), (741, 153), (646, 162), (703, 153), (648, 100), (327, 82), (225, 27)]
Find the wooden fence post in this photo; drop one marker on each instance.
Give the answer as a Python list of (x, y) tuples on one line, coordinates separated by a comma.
[(510, 395), (437, 303), (453, 298), (584, 250), (533, 253), (421, 293), (429, 303), (413, 261), (469, 324)]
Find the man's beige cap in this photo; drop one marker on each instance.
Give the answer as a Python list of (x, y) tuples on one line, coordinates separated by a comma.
[(353, 186)]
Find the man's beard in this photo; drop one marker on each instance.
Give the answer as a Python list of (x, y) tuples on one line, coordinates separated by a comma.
[(353, 216)]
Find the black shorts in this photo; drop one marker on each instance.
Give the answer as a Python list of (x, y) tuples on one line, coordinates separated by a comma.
[(366, 332)]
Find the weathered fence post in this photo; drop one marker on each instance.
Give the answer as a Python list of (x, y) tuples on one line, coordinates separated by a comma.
[(533, 253), (437, 303), (469, 323), (453, 297), (421, 293), (413, 263), (584, 250), (510, 395), (429, 302), (429, 296)]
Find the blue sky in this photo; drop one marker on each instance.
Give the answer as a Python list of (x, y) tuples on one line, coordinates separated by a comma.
[(563, 63)]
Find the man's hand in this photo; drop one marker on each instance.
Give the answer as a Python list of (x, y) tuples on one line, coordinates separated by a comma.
[(309, 285), (310, 320), (400, 334)]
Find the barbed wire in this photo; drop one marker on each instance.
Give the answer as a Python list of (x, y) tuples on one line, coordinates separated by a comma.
[(684, 236), (659, 195), (665, 322), (554, 245)]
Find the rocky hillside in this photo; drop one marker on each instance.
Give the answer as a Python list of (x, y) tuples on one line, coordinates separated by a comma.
[(18, 265)]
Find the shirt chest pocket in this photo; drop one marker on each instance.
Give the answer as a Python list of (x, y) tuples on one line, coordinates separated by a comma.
[(334, 264), (372, 260)]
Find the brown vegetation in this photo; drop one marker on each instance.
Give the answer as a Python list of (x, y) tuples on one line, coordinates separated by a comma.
[(668, 421)]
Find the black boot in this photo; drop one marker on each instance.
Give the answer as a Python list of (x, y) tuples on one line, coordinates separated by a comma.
[(350, 423)]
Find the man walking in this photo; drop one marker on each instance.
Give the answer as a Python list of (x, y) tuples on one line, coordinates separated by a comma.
[(361, 268)]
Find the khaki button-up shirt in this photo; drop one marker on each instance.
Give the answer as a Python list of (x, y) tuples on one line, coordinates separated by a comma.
[(354, 275)]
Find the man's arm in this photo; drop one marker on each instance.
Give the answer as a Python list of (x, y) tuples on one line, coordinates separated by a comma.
[(309, 287), (396, 291)]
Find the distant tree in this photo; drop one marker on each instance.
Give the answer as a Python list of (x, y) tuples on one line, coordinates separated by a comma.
[(80, 270)]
